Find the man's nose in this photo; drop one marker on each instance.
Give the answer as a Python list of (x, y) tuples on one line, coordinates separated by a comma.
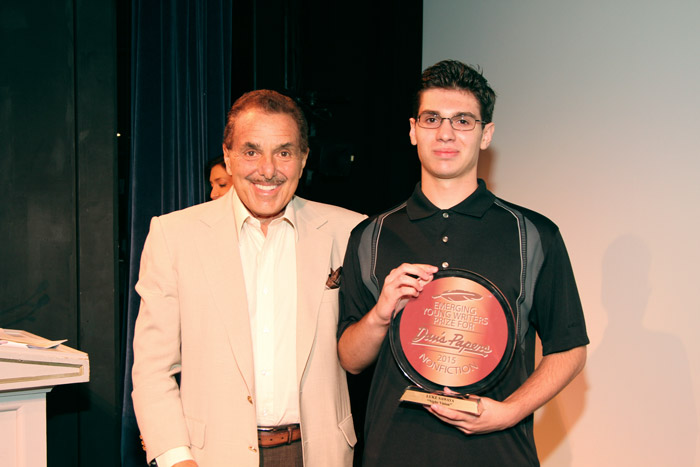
[(267, 166), (445, 131)]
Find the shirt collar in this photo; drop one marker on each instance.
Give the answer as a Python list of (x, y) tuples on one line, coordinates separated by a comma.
[(419, 206), (241, 214)]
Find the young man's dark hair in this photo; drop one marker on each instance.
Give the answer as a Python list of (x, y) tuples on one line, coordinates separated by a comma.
[(452, 74)]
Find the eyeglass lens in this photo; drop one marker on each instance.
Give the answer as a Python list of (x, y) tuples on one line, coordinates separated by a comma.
[(459, 122)]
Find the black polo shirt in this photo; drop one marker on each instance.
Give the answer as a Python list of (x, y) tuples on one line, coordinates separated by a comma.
[(482, 234)]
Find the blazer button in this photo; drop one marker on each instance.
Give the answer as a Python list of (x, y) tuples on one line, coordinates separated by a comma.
[(250, 399)]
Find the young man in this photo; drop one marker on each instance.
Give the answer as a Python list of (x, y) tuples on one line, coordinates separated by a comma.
[(239, 296), (453, 221)]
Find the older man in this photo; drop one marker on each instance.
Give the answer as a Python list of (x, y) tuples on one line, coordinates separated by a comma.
[(239, 296)]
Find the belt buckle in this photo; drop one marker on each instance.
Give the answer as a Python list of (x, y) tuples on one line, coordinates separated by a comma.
[(288, 429)]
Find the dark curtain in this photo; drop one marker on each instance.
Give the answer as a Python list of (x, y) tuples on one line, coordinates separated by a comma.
[(181, 90)]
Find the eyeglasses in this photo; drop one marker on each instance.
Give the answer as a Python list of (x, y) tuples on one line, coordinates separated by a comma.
[(460, 122)]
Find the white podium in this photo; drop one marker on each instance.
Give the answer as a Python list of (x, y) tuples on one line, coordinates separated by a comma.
[(26, 375)]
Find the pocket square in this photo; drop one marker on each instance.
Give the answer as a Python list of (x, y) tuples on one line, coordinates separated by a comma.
[(333, 281)]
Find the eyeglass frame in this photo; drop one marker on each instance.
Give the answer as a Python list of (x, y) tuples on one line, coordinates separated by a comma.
[(437, 115)]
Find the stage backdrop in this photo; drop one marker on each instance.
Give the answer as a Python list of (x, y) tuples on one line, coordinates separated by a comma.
[(597, 127)]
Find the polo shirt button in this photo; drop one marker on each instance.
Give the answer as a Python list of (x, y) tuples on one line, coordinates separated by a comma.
[(445, 265), (445, 215), (444, 239), (250, 399)]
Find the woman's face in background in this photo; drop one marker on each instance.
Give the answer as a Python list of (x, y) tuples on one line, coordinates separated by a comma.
[(220, 181)]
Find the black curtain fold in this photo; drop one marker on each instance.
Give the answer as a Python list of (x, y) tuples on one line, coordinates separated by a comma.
[(180, 92)]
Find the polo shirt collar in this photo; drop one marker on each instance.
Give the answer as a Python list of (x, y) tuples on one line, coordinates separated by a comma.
[(476, 204)]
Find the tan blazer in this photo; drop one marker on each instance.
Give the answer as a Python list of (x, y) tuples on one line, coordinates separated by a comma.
[(194, 320)]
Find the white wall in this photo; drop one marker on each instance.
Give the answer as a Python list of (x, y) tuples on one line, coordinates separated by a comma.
[(597, 127)]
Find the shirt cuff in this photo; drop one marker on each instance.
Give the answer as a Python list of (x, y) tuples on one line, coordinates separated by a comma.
[(173, 456)]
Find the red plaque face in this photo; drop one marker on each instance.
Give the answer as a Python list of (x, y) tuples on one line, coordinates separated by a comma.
[(459, 333)]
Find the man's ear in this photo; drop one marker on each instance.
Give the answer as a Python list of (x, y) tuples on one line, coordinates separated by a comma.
[(304, 158), (486, 135), (412, 131), (227, 159)]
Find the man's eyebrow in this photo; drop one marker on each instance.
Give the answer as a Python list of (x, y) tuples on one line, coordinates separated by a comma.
[(467, 114), (435, 112), (257, 147), (288, 146), (249, 145)]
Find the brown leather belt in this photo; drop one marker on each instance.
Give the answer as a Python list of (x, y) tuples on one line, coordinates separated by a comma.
[(270, 437)]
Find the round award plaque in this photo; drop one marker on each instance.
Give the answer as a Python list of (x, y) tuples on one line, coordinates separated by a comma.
[(459, 333)]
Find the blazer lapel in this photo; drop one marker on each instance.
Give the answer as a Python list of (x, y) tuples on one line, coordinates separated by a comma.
[(219, 252), (313, 260)]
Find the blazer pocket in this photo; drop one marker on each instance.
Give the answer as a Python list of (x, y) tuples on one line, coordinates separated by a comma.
[(330, 295), (196, 429), (348, 429)]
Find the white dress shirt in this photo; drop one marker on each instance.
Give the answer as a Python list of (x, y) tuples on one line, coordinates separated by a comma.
[(269, 268)]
